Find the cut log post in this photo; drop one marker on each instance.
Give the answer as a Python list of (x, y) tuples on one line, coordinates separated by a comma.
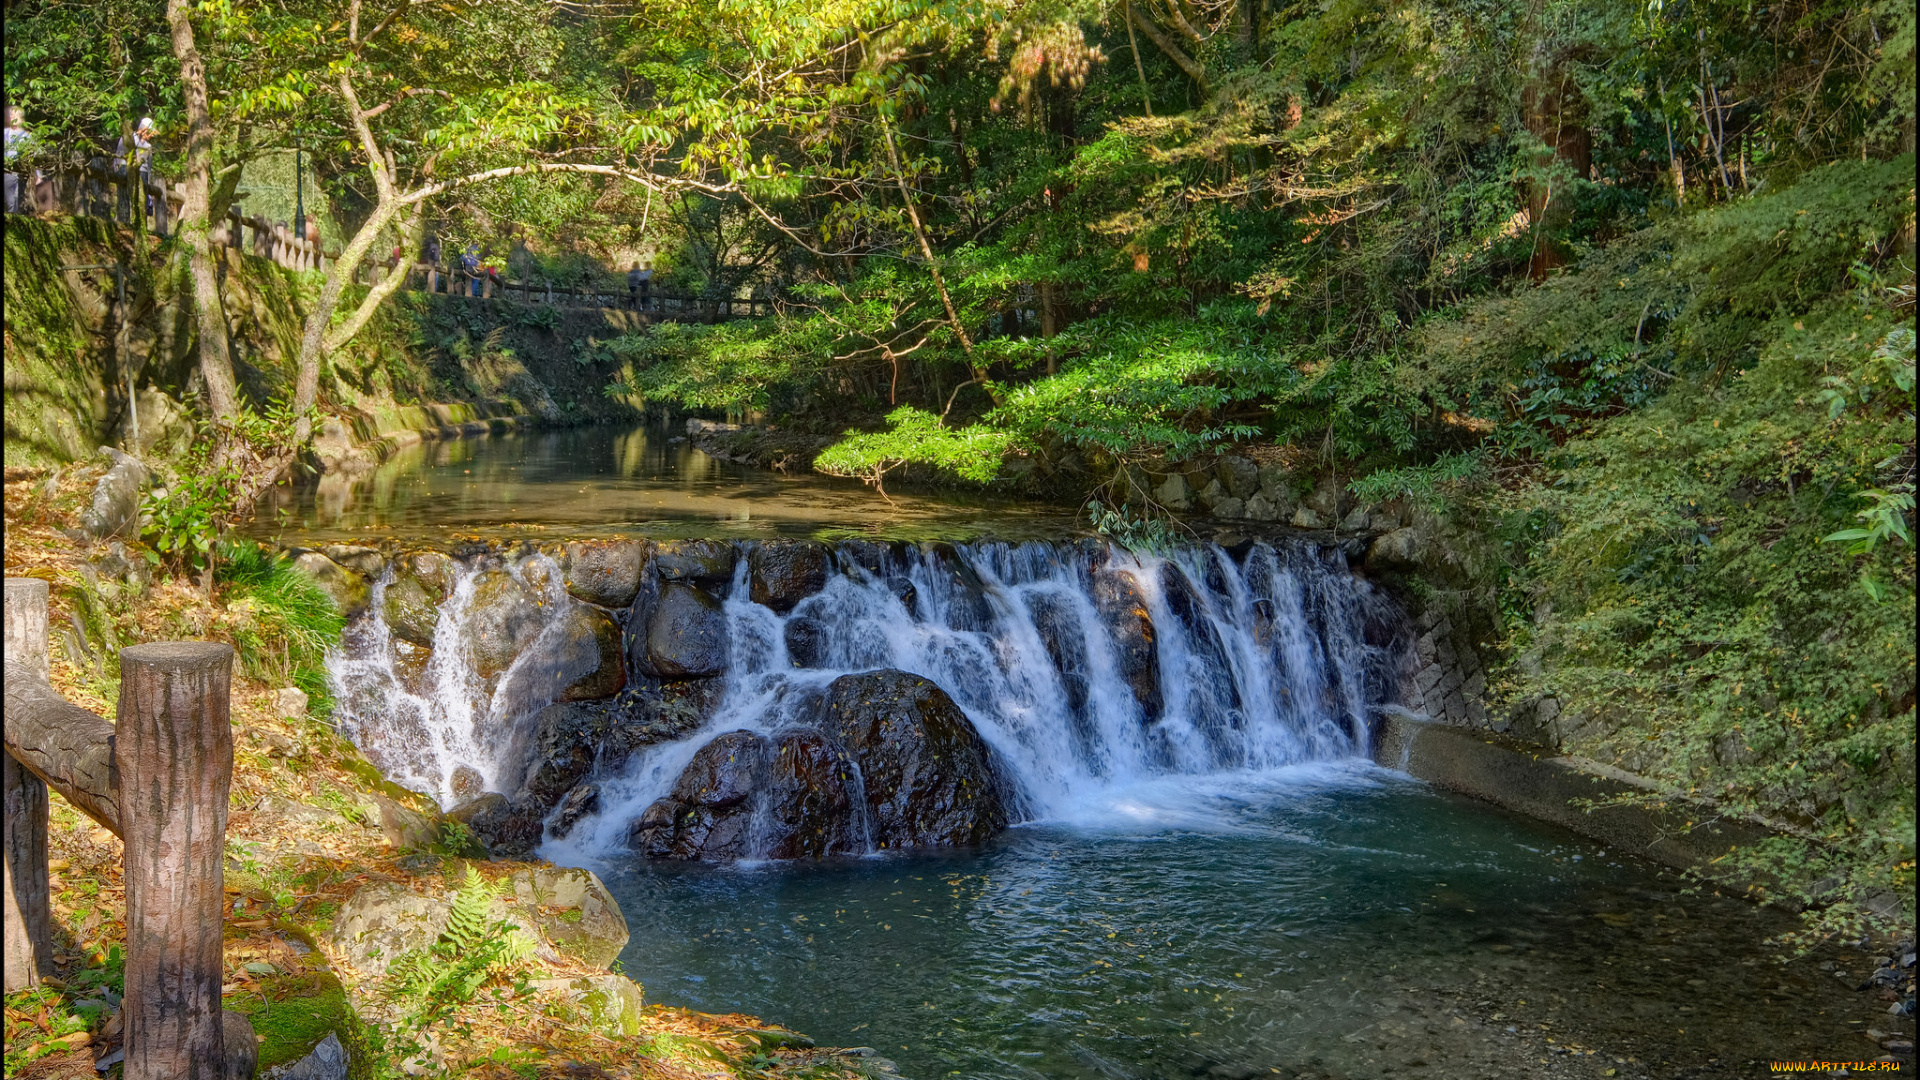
[(175, 753), (29, 910)]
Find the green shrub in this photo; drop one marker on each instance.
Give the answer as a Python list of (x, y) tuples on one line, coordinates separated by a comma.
[(282, 623)]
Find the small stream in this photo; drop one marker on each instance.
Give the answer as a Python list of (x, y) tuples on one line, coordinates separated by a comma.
[(1206, 880)]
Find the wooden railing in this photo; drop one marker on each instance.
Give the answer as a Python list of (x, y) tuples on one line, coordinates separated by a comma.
[(426, 277), (101, 190), (160, 780)]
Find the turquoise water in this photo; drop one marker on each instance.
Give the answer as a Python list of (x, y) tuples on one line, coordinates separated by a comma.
[(1327, 921)]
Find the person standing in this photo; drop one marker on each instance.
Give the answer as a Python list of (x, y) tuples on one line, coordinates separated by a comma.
[(640, 283), (470, 265), (141, 157), (431, 256), (19, 140)]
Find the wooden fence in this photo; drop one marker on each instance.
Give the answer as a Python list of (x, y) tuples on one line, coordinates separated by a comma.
[(426, 277), (103, 191), (159, 779)]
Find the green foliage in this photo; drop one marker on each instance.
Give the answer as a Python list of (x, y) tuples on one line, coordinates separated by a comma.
[(1427, 484), (184, 520), (429, 985), (1138, 534), (731, 366), (1704, 633), (1139, 388), (282, 623), (971, 454)]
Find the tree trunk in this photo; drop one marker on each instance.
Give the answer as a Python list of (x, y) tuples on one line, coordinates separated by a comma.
[(216, 367), (29, 909), (1556, 114), (933, 264), (175, 756)]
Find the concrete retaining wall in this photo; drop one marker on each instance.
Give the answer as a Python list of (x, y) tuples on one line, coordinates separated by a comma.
[(1530, 780)]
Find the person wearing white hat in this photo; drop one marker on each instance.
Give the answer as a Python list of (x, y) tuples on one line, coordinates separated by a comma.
[(143, 136)]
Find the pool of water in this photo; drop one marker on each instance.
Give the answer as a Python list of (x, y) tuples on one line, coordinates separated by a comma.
[(613, 480), (1328, 921)]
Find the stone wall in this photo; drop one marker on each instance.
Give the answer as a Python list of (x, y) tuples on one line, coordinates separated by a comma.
[(1449, 683)]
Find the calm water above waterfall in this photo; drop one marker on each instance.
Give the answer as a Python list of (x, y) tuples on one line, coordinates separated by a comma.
[(616, 481)]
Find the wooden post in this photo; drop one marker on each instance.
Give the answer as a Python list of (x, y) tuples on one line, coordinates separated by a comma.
[(175, 756), (29, 910)]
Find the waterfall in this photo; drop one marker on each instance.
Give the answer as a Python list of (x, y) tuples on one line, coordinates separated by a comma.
[(1085, 670), (425, 721)]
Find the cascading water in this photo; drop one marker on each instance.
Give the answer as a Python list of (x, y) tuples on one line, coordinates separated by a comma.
[(1085, 671), (426, 714)]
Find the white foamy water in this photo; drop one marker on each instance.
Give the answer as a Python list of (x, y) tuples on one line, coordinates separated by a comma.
[(1262, 664)]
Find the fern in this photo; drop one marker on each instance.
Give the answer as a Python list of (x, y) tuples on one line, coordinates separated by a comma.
[(472, 949)]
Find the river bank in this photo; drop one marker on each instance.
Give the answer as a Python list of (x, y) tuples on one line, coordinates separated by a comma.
[(334, 872)]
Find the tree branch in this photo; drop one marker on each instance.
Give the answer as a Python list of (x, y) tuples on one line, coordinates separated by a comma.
[(1194, 69)]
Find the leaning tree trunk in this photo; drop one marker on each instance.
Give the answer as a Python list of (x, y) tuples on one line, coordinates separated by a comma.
[(216, 367)]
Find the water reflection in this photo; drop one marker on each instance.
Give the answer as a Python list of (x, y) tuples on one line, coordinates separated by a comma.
[(1332, 922), (613, 480)]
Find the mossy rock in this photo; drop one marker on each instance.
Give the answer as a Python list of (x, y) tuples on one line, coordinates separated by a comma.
[(297, 1012)]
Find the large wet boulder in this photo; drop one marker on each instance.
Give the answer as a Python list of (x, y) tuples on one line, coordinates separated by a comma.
[(709, 814), (814, 795), (605, 572), (806, 639), (748, 796), (502, 619), (702, 562), (411, 604), (686, 634), (589, 638), (510, 828), (928, 775), (348, 590), (1117, 597), (565, 743), (887, 757), (782, 573)]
